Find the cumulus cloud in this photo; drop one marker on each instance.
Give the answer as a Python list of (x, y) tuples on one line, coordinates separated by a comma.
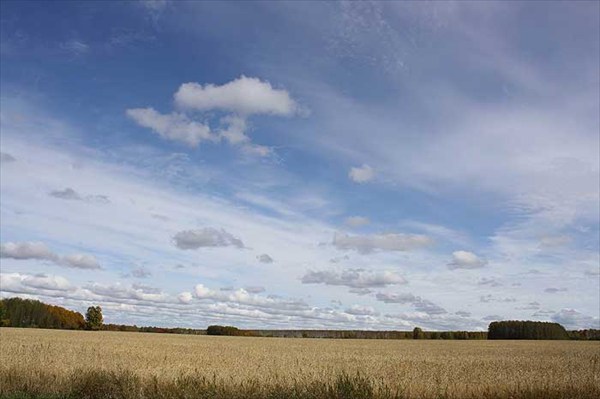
[(356, 221), (360, 310), (206, 238), (361, 174), (185, 297), (264, 258), (253, 289), (466, 260), (80, 261), (395, 298), (133, 292), (39, 251), (239, 98), (420, 304), (6, 157), (463, 313), (243, 297), (426, 306), (243, 96), (353, 278), (235, 130), (573, 319), (27, 250), (381, 242), (28, 283), (177, 127)]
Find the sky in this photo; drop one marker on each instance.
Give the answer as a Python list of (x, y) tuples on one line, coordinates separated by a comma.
[(340, 165)]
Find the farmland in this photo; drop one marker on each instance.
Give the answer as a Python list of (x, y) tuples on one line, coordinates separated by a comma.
[(101, 364)]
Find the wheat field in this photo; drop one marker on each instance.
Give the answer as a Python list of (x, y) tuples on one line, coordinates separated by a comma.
[(73, 364)]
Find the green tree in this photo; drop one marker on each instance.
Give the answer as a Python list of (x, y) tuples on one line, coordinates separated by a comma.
[(418, 333), (93, 318), (517, 329)]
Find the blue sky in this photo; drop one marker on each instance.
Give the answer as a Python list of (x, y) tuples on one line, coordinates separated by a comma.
[(303, 165)]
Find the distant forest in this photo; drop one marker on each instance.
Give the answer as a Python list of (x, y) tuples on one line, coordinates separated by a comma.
[(28, 313)]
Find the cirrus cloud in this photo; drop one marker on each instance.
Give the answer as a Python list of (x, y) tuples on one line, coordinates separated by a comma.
[(381, 242)]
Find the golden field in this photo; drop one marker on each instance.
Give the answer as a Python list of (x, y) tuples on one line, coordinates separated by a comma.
[(56, 363)]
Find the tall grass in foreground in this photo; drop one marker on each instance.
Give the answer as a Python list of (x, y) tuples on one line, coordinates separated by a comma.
[(98, 384)]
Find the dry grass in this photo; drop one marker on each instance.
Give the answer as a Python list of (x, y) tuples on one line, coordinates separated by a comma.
[(136, 365)]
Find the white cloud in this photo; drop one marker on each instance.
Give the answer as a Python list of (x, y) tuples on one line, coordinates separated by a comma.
[(396, 298), (243, 96), (254, 289), (235, 133), (27, 250), (573, 319), (31, 284), (243, 297), (177, 127), (353, 278), (39, 251), (240, 98), (360, 310), (356, 221), (361, 174), (133, 292), (205, 238), (381, 242), (466, 260), (185, 297), (420, 304), (80, 261)]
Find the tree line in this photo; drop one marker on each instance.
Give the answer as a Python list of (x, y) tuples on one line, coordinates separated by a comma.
[(514, 329), (17, 312)]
